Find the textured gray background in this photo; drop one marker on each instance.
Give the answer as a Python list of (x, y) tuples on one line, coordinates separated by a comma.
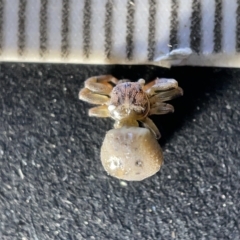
[(54, 187)]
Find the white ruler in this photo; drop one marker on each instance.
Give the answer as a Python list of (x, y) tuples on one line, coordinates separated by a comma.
[(159, 32)]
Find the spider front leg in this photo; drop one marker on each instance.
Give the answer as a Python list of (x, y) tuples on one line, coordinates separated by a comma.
[(97, 89), (165, 95), (160, 108), (159, 91), (149, 124), (163, 85), (94, 98), (160, 84), (101, 84), (162, 90), (100, 111)]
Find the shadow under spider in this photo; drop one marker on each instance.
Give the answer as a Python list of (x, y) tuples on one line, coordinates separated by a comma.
[(198, 83)]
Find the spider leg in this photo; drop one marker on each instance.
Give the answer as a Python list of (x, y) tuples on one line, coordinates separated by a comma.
[(88, 96), (101, 84), (166, 95), (99, 111), (159, 85), (160, 108), (149, 124)]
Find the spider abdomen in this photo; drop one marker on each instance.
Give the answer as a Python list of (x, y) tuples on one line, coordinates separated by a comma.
[(131, 154)]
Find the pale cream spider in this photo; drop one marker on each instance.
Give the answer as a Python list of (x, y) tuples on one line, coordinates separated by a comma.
[(130, 152)]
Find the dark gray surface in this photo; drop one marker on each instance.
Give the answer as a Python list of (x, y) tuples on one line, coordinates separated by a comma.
[(63, 191)]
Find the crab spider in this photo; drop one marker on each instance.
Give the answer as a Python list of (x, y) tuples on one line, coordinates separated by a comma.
[(128, 151)]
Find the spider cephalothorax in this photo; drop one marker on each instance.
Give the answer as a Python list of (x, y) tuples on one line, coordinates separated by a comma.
[(128, 151), (128, 101)]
